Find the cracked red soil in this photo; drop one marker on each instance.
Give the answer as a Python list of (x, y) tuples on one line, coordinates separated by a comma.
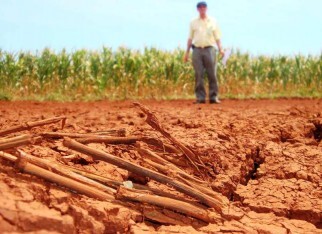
[(265, 156)]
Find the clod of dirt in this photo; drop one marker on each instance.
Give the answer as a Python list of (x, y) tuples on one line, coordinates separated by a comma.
[(294, 199), (253, 222), (137, 178), (298, 162)]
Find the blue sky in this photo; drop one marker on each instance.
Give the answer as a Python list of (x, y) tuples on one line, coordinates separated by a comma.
[(256, 26)]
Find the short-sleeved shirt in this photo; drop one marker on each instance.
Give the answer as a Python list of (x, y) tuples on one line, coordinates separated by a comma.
[(204, 32)]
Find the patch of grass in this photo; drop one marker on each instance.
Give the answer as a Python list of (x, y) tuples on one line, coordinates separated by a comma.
[(5, 96)]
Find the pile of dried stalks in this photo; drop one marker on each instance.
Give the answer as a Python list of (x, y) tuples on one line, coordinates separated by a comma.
[(197, 199)]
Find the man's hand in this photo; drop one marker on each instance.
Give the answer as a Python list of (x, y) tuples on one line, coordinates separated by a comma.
[(186, 57), (222, 53)]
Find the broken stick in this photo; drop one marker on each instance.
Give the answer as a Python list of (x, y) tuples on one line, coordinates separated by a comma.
[(119, 138), (221, 200), (163, 146), (13, 142), (101, 179), (8, 157), (169, 203), (157, 215), (171, 168), (117, 132), (109, 140), (123, 140), (58, 179), (58, 135), (60, 169), (153, 121), (30, 125), (16, 138), (101, 155), (115, 184)]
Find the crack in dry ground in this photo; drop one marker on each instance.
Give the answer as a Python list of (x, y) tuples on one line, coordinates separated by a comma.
[(318, 131)]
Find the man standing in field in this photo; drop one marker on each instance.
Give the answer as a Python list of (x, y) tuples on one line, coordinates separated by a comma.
[(204, 34)]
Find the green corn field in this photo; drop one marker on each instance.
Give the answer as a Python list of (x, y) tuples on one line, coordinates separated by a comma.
[(150, 74)]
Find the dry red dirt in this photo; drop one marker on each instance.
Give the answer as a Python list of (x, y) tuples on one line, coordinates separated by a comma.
[(265, 156)]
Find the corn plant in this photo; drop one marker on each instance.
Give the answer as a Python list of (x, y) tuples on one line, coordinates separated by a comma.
[(151, 73)]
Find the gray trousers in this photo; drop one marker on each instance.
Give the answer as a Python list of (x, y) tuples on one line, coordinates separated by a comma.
[(205, 60)]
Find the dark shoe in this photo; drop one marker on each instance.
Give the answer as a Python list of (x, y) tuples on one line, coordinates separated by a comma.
[(215, 101), (200, 102)]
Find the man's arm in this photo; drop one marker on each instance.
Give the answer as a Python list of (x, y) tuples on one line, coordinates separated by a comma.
[(189, 44), (221, 51), (217, 35)]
